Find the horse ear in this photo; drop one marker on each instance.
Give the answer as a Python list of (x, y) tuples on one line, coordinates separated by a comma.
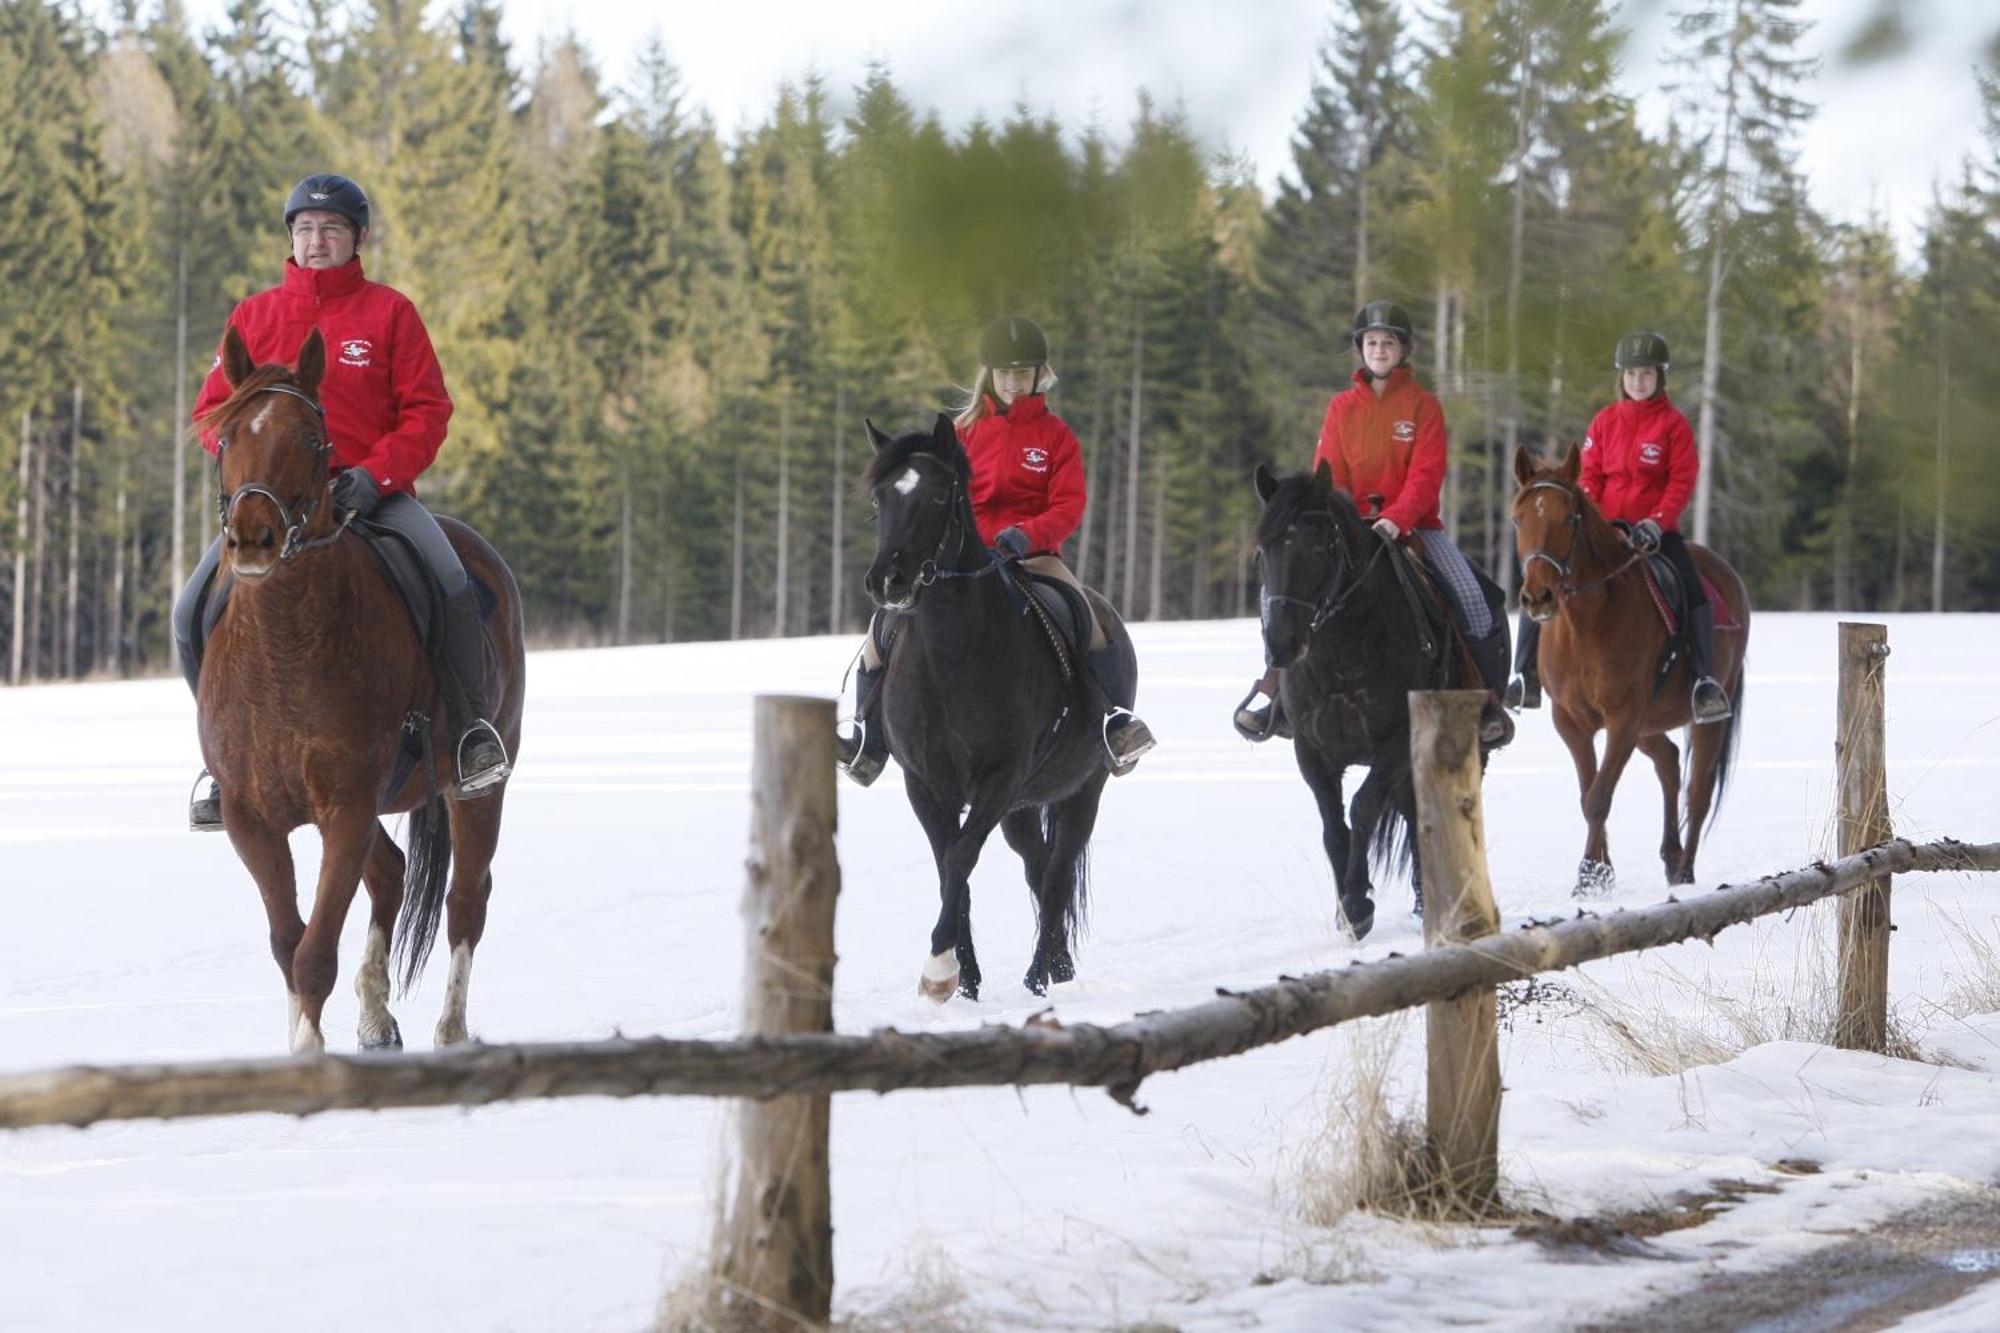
[(875, 436), (1265, 480), (1572, 467), (943, 433), (1524, 465), (312, 362), (236, 362), (1323, 478)]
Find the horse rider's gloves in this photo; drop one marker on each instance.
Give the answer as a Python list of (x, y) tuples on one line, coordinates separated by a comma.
[(354, 490), (1646, 535), (1013, 541), (1386, 529)]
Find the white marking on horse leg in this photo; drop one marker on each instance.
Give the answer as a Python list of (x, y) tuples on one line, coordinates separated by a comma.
[(306, 1038), (371, 986), (451, 1024), (292, 1013), (940, 979)]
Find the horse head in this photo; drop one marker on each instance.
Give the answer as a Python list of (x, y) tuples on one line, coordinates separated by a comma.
[(1551, 514), (920, 487), (1308, 542), (272, 452)]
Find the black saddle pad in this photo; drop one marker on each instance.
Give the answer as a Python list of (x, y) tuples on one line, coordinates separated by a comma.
[(1672, 592), (1067, 609)]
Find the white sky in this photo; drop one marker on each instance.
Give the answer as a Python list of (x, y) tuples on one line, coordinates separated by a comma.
[(1241, 68)]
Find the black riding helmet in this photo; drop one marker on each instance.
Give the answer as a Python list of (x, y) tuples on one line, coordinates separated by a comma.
[(1383, 315), (330, 193), (1011, 342), (1644, 348)]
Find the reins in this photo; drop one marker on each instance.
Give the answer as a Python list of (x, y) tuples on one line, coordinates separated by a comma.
[(322, 448)]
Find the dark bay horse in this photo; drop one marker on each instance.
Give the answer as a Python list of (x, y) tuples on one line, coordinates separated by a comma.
[(309, 678), (1601, 646), (1340, 624), (977, 710)]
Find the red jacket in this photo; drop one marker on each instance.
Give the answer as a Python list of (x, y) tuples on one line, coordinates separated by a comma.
[(1387, 452), (386, 404), (1027, 473), (1639, 461)]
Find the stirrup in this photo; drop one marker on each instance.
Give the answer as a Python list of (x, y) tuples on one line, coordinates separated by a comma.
[(1255, 724), (1524, 692), (1710, 705), (1496, 729), (486, 771), (205, 805), (1135, 740), (854, 757)]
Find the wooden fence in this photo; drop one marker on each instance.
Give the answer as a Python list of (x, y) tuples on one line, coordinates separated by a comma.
[(774, 1248)]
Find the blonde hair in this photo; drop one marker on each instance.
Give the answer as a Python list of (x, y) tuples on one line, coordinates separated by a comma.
[(973, 401)]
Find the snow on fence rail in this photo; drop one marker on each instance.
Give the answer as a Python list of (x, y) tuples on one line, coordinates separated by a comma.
[(776, 1242)]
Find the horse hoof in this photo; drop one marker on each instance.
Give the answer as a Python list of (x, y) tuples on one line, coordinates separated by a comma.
[(389, 1039), (939, 979), (449, 1034), (1594, 879), (1036, 981), (1062, 968), (1356, 922)]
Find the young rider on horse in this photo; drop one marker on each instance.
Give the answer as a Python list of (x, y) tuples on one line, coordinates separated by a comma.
[(1028, 497), (385, 407), (1639, 467), (1384, 438)]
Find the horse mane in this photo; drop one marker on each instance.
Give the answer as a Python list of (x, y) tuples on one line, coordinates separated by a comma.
[(891, 457), (220, 419), (1292, 498)]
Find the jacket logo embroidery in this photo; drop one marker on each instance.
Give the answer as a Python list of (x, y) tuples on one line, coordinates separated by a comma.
[(1650, 453), (355, 351), (1405, 431), (1035, 460)]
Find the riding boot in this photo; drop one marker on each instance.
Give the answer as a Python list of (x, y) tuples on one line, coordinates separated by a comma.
[(1126, 738), (1710, 700), (478, 753), (1490, 655), (863, 752), (1525, 690), (1261, 715), (205, 805)]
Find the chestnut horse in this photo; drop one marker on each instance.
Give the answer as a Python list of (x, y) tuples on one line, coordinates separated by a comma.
[(310, 677), (1601, 647)]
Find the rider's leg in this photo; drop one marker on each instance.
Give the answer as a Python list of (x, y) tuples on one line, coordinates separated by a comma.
[(205, 807), (1126, 738), (480, 756), (1485, 633), (1526, 689), (1710, 701), (862, 752)]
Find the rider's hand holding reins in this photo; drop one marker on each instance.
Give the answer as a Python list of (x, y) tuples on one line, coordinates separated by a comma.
[(1013, 542), (1646, 535), (1386, 529), (355, 491)]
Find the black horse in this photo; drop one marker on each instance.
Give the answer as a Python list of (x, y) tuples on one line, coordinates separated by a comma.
[(1341, 621), (978, 709)]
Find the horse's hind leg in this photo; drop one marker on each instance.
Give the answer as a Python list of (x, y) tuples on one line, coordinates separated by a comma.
[(1059, 904), (475, 834), (383, 874), (1666, 757), (1023, 831), (267, 855), (347, 838), (1705, 748)]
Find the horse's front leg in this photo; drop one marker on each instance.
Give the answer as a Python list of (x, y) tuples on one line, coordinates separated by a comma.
[(952, 935), (1594, 877), (267, 855), (939, 817), (347, 836), (383, 874)]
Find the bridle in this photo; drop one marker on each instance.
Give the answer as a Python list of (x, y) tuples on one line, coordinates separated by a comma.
[(322, 449), (954, 534), (1332, 596), (1567, 585)]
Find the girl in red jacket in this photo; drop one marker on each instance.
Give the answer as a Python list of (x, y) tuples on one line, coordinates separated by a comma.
[(1027, 497), (1639, 467), (1384, 439)]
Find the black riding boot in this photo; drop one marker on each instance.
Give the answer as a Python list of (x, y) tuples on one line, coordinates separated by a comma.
[(1490, 655), (1126, 738), (1710, 701), (477, 751), (863, 752), (1525, 690)]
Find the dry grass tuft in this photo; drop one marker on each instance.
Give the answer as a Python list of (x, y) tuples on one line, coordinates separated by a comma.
[(1975, 976)]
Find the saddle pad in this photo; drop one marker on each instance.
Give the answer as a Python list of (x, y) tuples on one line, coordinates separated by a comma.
[(1067, 610), (1663, 583)]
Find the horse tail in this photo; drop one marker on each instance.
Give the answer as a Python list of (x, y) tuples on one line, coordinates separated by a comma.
[(425, 875), (1389, 845), (1075, 907), (1727, 759)]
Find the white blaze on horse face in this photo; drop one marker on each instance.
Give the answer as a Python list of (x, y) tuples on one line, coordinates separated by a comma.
[(451, 1024), (263, 415), (907, 482)]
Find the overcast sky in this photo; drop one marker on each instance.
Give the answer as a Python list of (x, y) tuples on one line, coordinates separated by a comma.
[(1885, 131)]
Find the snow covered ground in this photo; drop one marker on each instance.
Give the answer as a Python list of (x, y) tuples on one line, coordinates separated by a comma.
[(618, 880)]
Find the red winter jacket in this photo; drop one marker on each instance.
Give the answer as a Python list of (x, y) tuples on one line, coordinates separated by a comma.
[(386, 404), (1639, 461), (1027, 473), (1390, 447)]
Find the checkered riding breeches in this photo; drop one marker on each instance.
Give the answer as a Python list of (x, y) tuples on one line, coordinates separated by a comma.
[(1449, 565)]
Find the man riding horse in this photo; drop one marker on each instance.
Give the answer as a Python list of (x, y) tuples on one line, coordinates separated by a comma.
[(385, 408)]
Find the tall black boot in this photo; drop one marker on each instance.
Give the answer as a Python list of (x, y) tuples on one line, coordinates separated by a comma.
[(477, 751), (1710, 700), (1525, 690), (1126, 738), (1490, 655), (863, 752)]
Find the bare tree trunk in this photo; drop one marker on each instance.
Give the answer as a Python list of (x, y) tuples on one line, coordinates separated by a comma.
[(736, 559), (1943, 465), (1552, 441), (1154, 610), (1897, 584), (113, 647), (1361, 202), (18, 626), (1510, 428), (1242, 568), (624, 634), (179, 433), (1845, 593), (784, 582), (837, 581), (70, 588), (1131, 554), (38, 510), (1711, 348)]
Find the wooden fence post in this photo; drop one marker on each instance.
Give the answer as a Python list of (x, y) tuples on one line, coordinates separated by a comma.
[(1862, 1022), (775, 1256), (1463, 1103)]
